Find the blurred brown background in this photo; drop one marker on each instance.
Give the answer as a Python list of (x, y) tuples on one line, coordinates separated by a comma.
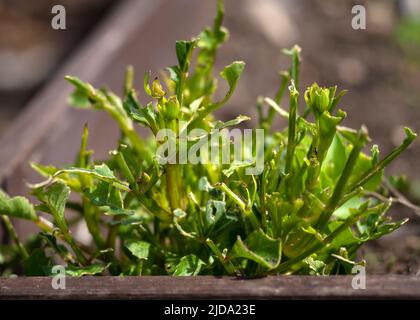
[(380, 66)]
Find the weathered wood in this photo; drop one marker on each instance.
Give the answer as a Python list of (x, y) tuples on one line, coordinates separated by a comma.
[(206, 287)]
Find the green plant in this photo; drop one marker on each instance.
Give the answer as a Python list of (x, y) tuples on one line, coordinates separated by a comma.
[(308, 212)]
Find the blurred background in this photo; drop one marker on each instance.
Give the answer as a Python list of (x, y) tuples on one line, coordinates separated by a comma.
[(380, 66)]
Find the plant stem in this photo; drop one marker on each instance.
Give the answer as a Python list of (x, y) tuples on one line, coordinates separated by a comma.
[(289, 263), (383, 163), (12, 232), (285, 78), (227, 264), (339, 188), (148, 203), (292, 129), (245, 209)]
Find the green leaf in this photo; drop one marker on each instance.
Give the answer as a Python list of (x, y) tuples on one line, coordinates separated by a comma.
[(271, 103), (184, 51), (79, 99), (139, 249), (101, 172), (144, 115), (38, 264), (54, 197), (107, 199), (81, 86), (232, 73), (45, 171), (336, 158), (363, 164), (214, 211), (174, 73), (234, 122), (345, 238), (189, 265), (18, 207), (235, 166), (316, 266), (260, 248), (91, 270)]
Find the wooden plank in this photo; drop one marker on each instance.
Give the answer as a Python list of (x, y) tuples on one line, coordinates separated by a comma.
[(206, 287), (95, 54)]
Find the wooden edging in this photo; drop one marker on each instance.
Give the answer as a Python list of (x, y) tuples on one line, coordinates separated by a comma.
[(94, 54), (206, 287)]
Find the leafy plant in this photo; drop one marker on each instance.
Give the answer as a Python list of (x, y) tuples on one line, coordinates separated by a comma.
[(308, 212)]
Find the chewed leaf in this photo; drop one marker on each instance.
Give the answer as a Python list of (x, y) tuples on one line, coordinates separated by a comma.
[(91, 270), (18, 207), (139, 249), (260, 248), (214, 211), (189, 265)]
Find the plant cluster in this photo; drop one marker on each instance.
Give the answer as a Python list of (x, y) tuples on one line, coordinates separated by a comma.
[(308, 212)]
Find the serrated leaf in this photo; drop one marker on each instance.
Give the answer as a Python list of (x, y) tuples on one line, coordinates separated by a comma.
[(18, 207)]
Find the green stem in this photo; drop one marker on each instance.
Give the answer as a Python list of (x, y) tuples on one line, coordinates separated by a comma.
[(13, 234), (340, 187), (173, 177), (384, 162), (245, 209), (292, 129), (285, 78), (148, 203), (289, 263), (227, 264)]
